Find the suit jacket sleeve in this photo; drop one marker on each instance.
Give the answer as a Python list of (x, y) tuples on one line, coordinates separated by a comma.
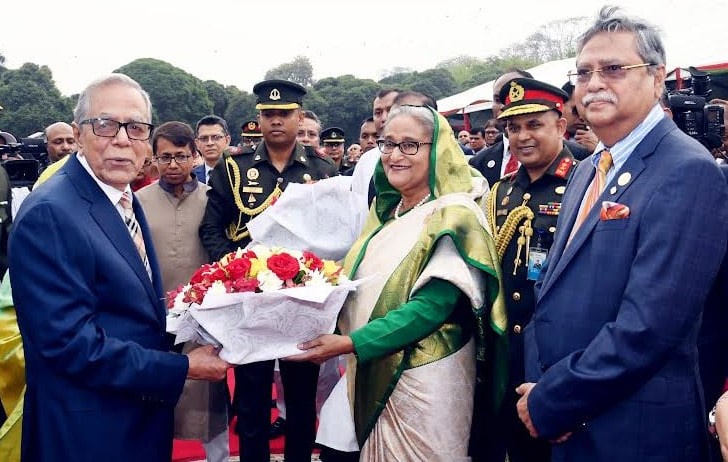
[(680, 246), (56, 301)]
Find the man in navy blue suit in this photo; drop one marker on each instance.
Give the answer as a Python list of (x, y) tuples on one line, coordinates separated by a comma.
[(101, 383), (611, 351)]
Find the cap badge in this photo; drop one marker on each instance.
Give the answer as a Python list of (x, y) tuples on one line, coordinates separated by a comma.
[(275, 95), (251, 125), (516, 92), (333, 134)]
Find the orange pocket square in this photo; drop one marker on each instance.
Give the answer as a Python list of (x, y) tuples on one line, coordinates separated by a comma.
[(613, 211)]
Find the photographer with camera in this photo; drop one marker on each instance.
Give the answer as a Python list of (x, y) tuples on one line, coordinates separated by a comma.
[(721, 152)]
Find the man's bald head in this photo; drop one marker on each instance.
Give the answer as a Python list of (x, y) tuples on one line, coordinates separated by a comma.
[(61, 141)]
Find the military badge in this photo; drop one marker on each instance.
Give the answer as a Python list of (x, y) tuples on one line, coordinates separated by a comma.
[(275, 95), (253, 174)]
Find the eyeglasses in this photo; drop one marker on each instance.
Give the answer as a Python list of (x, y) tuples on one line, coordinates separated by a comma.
[(409, 148), (608, 73), (208, 138), (109, 128), (180, 159)]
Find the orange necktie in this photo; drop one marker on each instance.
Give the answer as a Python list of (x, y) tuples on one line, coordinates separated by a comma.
[(599, 182)]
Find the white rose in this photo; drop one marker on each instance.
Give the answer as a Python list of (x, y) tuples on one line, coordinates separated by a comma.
[(217, 288), (317, 278)]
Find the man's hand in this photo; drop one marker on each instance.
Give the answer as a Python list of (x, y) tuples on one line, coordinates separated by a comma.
[(205, 364), (586, 138), (524, 390), (721, 424), (323, 347)]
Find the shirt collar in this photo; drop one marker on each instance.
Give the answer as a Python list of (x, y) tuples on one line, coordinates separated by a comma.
[(623, 148), (187, 186), (111, 192), (298, 155)]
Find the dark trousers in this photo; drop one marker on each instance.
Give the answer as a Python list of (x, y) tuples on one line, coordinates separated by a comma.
[(494, 435), (253, 383), (332, 455)]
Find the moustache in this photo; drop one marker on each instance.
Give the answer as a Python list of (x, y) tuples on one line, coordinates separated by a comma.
[(605, 96)]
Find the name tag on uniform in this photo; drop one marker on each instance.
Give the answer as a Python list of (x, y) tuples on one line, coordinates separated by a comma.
[(536, 258), (248, 189)]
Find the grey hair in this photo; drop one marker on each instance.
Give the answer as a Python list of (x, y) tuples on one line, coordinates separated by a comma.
[(81, 111), (611, 19), (422, 114)]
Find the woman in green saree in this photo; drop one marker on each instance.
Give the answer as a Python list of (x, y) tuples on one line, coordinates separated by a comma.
[(428, 300)]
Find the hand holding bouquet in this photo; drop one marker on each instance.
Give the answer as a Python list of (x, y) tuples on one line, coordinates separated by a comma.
[(259, 303)]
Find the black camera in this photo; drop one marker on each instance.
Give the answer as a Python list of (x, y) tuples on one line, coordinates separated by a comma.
[(693, 115), (35, 147)]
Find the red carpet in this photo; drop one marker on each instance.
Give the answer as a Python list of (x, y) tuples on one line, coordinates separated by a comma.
[(185, 451)]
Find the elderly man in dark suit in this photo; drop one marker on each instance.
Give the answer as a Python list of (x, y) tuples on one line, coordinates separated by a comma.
[(611, 352), (101, 383)]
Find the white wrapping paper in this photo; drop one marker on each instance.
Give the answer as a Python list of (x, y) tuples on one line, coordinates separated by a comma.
[(253, 327), (324, 217)]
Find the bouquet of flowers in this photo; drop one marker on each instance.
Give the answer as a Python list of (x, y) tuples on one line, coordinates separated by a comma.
[(259, 303)]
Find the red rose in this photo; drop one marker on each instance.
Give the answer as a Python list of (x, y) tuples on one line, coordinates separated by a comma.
[(312, 261), (195, 294), (200, 274), (250, 254), (245, 284), (239, 268), (284, 266), (216, 274), (172, 295)]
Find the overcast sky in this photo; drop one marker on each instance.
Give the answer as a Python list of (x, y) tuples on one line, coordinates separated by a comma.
[(236, 42)]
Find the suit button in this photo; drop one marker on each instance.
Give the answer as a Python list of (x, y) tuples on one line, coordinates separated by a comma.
[(516, 296), (517, 329)]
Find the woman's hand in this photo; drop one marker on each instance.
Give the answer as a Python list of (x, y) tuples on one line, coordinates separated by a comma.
[(323, 347)]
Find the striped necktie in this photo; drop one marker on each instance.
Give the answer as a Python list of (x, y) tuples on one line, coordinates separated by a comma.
[(599, 182), (134, 230)]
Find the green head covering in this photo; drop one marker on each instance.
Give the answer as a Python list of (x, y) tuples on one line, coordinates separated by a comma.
[(449, 171)]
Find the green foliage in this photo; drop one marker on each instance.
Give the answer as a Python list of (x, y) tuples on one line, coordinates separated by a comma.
[(240, 109), (299, 70), (175, 94), (31, 100), (342, 102)]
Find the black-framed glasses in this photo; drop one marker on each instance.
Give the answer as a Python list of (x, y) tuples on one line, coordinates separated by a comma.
[(179, 158), (208, 138), (608, 73), (109, 128), (409, 148)]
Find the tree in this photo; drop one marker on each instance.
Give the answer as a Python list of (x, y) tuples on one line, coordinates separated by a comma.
[(175, 94), (217, 94), (299, 70), (343, 102), (554, 40), (31, 100)]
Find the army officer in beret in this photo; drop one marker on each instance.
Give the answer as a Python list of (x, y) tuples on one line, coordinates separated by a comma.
[(243, 186)]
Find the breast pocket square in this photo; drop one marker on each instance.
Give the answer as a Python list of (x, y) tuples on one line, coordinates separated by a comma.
[(613, 211)]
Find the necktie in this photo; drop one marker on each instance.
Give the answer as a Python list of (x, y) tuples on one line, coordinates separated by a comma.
[(134, 230), (207, 179), (599, 182), (511, 165)]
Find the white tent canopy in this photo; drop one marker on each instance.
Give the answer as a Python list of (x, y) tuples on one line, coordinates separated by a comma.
[(480, 97)]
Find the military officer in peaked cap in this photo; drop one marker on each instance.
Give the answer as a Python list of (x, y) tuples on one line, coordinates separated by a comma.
[(243, 186), (522, 211), (333, 140), (250, 135)]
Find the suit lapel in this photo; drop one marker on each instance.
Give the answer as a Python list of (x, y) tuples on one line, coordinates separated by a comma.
[(613, 192), (569, 210), (109, 221)]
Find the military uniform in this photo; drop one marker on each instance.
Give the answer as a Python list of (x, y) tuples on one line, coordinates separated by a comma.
[(522, 216), (242, 187), (251, 136)]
